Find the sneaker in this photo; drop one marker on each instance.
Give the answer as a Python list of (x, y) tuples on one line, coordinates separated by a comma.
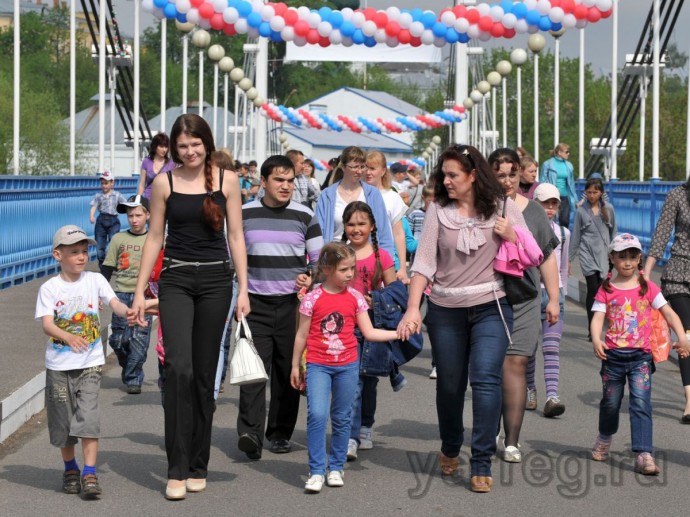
[(280, 446), (89, 486), (250, 446), (365, 442), (133, 389), (600, 451), (352, 450), (553, 407), (221, 388), (335, 478), (314, 484), (531, 403), (433, 374), (644, 464), (511, 454), (71, 482)]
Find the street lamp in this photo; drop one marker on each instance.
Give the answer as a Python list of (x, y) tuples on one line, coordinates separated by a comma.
[(504, 68), (215, 53), (536, 43), (494, 79), (557, 85), (484, 87), (225, 64), (469, 104), (201, 39), (518, 58), (476, 99), (185, 29)]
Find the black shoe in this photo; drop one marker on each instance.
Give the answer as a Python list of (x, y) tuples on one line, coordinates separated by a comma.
[(250, 446), (134, 389), (281, 446), (71, 482), (685, 419), (90, 486)]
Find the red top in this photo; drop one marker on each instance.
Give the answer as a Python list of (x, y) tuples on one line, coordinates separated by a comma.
[(365, 271)]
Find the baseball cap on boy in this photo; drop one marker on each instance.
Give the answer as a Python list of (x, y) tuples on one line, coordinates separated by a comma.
[(133, 202), (70, 234), (625, 241), (106, 175), (546, 191), (398, 167)]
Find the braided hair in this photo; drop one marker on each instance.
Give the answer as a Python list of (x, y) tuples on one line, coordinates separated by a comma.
[(361, 206)]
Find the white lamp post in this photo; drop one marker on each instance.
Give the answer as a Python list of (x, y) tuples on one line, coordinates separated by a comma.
[(185, 29), (164, 69), (236, 74), (469, 104), (225, 64), (581, 107), (614, 91), (215, 54), (484, 88), (518, 58), (504, 68), (557, 86), (476, 97), (536, 43), (201, 40), (494, 79)]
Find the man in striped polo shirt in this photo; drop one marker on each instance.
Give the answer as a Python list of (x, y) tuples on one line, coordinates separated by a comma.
[(281, 235)]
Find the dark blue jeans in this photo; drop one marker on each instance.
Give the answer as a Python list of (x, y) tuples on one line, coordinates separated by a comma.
[(469, 344), (106, 227), (130, 344), (637, 367)]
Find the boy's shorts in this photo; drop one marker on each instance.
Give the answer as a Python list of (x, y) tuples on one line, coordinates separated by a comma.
[(72, 405)]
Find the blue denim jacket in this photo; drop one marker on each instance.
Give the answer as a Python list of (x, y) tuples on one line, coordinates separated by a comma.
[(388, 306)]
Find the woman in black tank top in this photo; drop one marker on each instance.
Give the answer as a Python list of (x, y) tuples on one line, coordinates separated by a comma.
[(195, 289)]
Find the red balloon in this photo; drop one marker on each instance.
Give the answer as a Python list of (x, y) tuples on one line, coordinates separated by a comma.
[(459, 10), (301, 28), (229, 30), (324, 42), (509, 33), (593, 14), (217, 21), (555, 3), (580, 12), (416, 42), (606, 14), (567, 6), (472, 15), (313, 36), (369, 13), (380, 19), (279, 8), (485, 23), (392, 28), (404, 36), (290, 16), (498, 30), (196, 3), (206, 10)]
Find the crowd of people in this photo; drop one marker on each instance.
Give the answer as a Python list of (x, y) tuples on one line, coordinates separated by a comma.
[(314, 270)]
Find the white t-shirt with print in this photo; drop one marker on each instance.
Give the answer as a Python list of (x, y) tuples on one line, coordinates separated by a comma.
[(74, 307)]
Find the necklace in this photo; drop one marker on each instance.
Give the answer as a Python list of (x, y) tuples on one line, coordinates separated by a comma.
[(349, 195)]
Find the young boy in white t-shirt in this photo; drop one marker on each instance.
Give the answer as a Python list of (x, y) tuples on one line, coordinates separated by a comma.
[(67, 306)]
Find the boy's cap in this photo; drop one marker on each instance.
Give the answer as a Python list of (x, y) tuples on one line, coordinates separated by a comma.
[(106, 175), (624, 241), (70, 234), (133, 202), (546, 191), (398, 167)]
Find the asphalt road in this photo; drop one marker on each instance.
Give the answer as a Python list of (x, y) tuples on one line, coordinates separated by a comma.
[(399, 476)]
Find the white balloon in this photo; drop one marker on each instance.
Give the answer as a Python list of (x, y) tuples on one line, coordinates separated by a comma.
[(335, 37), (496, 13), (509, 21), (380, 36), (303, 12), (157, 13), (299, 41), (392, 42), (230, 15), (358, 19), (440, 42), (277, 23), (287, 33), (556, 15), (604, 5), (324, 29), (473, 31), (521, 26), (461, 25), (241, 26), (347, 42), (252, 32), (581, 24), (427, 37), (589, 3), (532, 29), (543, 6), (267, 12), (314, 19), (347, 13), (205, 23), (416, 29), (147, 5), (530, 4), (183, 6), (369, 28), (193, 15), (218, 5), (484, 36), (405, 20), (569, 21), (393, 13), (448, 18), (484, 9)]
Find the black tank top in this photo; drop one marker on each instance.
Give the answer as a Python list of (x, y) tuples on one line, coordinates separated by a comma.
[(189, 237)]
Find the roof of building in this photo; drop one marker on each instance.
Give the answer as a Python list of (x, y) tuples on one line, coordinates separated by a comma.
[(382, 98)]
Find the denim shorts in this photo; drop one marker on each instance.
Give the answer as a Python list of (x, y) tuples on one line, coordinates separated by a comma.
[(72, 405)]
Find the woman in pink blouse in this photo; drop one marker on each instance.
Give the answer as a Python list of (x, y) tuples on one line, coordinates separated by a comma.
[(468, 317)]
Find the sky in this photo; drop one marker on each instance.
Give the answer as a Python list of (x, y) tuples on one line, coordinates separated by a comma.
[(598, 44)]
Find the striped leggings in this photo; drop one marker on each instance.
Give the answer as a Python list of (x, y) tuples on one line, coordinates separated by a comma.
[(551, 345)]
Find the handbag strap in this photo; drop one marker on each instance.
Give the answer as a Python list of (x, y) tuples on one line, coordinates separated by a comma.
[(245, 326)]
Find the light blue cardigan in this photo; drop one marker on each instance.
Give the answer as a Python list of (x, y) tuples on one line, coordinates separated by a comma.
[(325, 213), (549, 173)]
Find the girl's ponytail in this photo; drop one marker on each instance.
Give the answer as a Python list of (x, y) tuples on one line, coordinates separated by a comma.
[(644, 286), (378, 270)]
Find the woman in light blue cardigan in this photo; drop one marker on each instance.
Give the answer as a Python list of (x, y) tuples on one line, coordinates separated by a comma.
[(559, 172), (350, 187)]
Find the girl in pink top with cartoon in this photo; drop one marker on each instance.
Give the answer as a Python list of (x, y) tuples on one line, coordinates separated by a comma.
[(626, 303)]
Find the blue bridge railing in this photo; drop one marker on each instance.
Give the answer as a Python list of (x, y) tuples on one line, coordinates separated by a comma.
[(32, 208)]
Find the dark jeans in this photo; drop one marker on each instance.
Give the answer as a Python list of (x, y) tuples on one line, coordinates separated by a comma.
[(194, 302), (469, 343), (273, 323), (130, 344), (593, 283), (106, 227), (681, 305), (564, 212)]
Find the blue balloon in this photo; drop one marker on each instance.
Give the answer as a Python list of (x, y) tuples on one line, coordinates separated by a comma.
[(265, 29), (507, 6), (545, 23), (439, 29), (233, 3), (347, 29), (533, 17), (520, 10), (160, 3), (417, 14), (254, 20), (463, 38), (244, 8), (452, 35), (325, 12), (556, 26), (276, 37), (358, 37), (428, 19), (370, 41), (335, 19), (181, 17), (170, 11)]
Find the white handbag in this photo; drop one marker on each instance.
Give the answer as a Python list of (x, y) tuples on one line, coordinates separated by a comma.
[(246, 366)]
